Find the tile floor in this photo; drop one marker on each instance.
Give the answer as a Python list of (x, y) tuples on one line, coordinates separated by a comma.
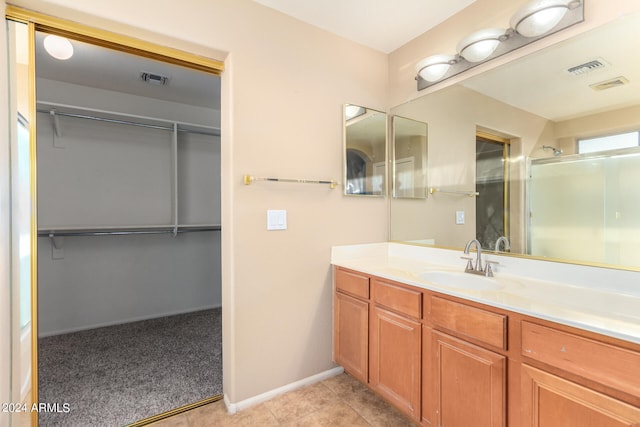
[(337, 401)]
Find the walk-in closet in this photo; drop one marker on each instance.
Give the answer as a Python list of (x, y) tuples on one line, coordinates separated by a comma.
[(128, 199)]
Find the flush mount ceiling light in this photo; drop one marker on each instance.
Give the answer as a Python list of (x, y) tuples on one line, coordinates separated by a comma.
[(479, 45), (541, 16), (433, 68), (58, 47), (537, 19)]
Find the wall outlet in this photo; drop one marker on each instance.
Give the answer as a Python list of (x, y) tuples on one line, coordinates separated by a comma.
[(459, 217)]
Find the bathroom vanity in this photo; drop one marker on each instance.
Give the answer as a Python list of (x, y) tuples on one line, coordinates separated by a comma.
[(453, 349)]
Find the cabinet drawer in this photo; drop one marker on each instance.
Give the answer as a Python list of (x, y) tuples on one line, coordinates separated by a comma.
[(607, 364), (485, 326), (352, 283), (402, 300)]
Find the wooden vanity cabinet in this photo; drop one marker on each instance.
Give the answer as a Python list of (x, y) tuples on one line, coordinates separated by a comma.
[(395, 345), (448, 362), (551, 401), (554, 400), (351, 323), (469, 380), (470, 384)]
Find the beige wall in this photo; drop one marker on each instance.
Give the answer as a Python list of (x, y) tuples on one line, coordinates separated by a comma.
[(283, 90)]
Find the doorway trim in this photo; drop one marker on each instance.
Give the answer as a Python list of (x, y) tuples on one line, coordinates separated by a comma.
[(49, 24), (104, 38)]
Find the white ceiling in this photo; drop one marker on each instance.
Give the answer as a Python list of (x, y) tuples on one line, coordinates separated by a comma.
[(384, 25), (108, 69)]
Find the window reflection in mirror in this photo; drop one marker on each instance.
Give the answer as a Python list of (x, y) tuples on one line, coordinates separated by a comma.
[(365, 148), (409, 158)]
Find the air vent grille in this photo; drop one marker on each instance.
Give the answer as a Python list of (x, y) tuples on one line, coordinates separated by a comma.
[(608, 84), (587, 67), (154, 79)]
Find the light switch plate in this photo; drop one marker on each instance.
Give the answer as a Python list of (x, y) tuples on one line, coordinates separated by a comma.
[(459, 217), (276, 219)]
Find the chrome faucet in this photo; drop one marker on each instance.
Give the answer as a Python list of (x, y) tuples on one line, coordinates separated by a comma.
[(477, 269), (467, 248), (503, 239)]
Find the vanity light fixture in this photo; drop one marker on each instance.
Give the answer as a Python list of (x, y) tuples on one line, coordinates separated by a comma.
[(537, 19), (433, 68), (479, 45), (540, 16), (58, 47)]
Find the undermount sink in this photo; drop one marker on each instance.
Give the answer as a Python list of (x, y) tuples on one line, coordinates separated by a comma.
[(459, 280)]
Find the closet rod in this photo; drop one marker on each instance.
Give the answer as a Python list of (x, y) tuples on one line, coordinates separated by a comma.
[(115, 232), (54, 113)]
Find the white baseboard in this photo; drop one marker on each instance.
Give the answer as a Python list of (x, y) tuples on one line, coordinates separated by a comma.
[(232, 408)]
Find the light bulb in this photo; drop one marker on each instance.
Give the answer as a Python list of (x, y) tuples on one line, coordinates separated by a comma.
[(479, 45), (433, 68), (539, 17)]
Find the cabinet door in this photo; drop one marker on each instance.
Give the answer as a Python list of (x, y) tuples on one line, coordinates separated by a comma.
[(395, 360), (470, 384), (351, 335), (550, 401)]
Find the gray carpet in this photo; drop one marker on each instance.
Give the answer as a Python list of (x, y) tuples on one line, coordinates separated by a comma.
[(117, 375)]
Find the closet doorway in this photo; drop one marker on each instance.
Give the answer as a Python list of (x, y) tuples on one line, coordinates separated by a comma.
[(128, 252)]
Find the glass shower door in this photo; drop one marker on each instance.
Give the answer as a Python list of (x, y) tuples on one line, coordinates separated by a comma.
[(584, 208)]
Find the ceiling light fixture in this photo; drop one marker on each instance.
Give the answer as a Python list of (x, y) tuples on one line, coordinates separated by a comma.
[(537, 19), (58, 47), (433, 68), (478, 46)]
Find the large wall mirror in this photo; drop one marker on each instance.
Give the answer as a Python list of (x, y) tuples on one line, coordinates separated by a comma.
[(365, 151), (557, 118)]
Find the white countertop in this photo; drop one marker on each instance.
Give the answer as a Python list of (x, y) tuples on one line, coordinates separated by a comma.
[(601, 300)]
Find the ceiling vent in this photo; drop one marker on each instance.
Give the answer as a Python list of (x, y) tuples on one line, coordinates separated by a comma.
[(154, 79), (587, 67), (611, 83)]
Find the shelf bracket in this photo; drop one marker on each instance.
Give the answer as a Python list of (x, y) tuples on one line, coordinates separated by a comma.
[(57, 131)]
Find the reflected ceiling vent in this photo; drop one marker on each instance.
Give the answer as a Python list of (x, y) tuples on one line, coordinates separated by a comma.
[(611, 83), (587, 67), (154, 79)]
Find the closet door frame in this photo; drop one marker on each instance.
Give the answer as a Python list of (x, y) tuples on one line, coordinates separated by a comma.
[(53, 25)]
